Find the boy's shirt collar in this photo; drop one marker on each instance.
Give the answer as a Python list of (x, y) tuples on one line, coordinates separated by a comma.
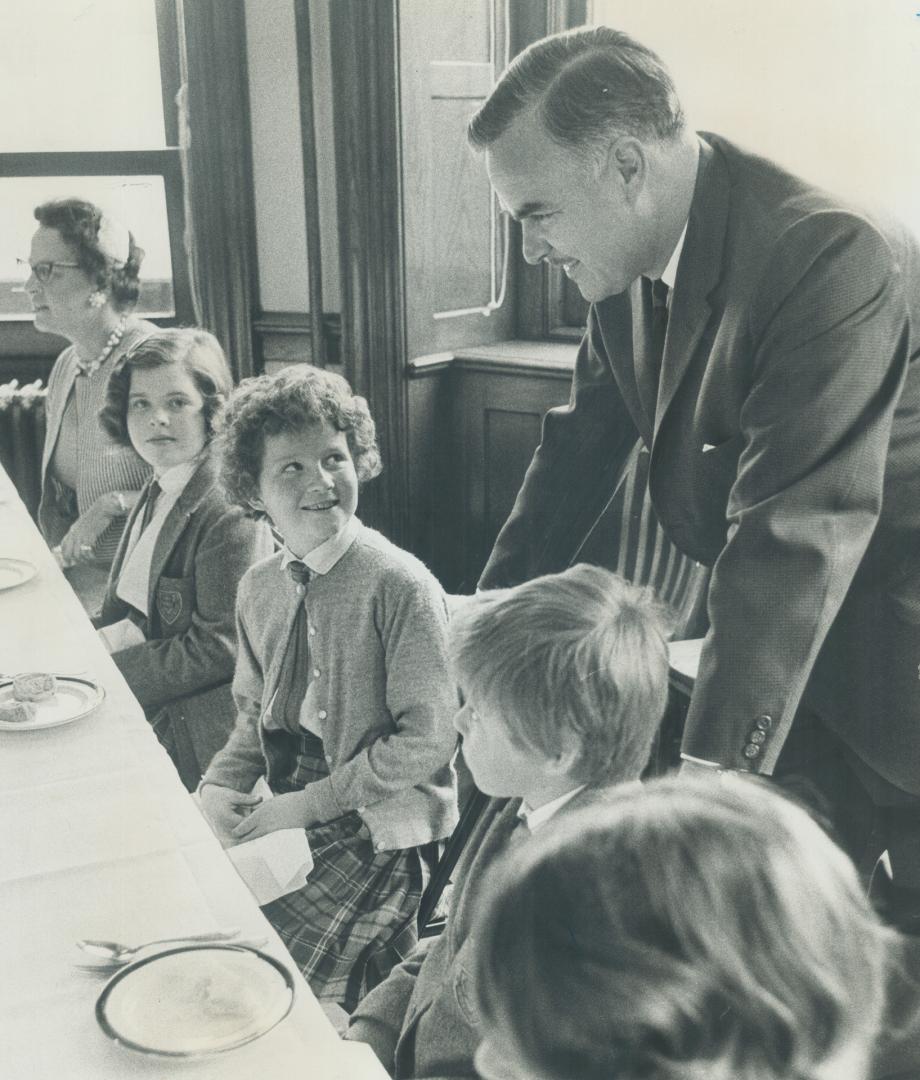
[(533, 819), (323, 558)]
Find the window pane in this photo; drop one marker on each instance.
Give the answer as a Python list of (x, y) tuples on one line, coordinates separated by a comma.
[(824, 87), (80, 76), (139, 202)]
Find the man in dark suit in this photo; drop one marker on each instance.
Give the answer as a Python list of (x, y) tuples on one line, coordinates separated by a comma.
[(776, 383)]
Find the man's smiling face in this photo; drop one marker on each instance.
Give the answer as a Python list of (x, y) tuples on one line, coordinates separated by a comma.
[(576, 210)]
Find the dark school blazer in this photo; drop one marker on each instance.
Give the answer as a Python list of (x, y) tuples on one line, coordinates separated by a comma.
[(181, 675), (785, 453), (423, 1019)]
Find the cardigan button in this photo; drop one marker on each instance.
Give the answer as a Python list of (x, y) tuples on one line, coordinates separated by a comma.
[(322, 714), (316, 673)]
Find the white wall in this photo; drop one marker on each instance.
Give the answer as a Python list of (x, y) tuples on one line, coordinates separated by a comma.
[(829, 88), (281, 236)]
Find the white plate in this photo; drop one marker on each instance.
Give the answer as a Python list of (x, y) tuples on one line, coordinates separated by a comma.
[(74, 698), (15, 572), (195, 999)]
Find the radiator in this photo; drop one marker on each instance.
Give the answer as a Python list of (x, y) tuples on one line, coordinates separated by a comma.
[(22, 435)]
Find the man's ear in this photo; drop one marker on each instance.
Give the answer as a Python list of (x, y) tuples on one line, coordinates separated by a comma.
[(626, 164)]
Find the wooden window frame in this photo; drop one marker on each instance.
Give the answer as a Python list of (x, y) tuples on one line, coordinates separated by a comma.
[(543, 296), (19, 338)]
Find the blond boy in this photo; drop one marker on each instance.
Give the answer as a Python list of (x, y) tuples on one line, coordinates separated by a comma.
[(564, 680)]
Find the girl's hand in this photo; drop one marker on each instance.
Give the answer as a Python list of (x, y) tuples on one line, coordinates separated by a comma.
[(225, 808), (287, 811), (79, 543)]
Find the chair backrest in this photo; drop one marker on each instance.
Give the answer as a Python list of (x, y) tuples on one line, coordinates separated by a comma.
[(628, 538)]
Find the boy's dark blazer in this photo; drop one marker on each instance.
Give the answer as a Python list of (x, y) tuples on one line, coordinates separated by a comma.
[(785, 453), (422, 1018), (186, 666)]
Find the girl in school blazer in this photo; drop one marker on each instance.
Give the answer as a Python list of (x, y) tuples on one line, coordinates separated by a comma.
[(168, 613)]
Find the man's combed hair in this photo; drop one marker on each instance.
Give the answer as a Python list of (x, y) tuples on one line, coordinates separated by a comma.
[(78, 223), (290, 401), (584, 85), (582, 653), (688, 930)]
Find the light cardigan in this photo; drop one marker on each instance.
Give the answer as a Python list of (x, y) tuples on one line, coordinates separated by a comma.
[(102, 465), (379, 684)]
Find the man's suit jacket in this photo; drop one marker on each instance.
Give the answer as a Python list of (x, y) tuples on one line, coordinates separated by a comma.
[(186, 665), (785, 453), (422, 1019)]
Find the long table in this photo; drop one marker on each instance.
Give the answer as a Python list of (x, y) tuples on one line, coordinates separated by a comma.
[(101, 840)]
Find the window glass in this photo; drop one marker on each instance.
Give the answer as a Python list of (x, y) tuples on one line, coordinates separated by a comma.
[(828, 88), (139, 202), (80, 75)]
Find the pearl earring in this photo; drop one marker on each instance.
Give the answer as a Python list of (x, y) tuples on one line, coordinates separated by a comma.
[(97, 299)]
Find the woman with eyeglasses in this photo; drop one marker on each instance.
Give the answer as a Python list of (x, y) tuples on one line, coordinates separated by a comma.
[(83, 284)]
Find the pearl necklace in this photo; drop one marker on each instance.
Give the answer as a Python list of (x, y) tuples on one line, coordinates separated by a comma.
[(116, 335)]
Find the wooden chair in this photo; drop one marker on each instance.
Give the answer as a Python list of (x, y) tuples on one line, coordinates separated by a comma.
[(627, 538)]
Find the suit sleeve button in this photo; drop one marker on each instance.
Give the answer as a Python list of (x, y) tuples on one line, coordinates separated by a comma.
[(751, 750), (763, 723), (758, 737)]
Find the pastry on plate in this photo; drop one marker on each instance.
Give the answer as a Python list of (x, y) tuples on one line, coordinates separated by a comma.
[(17, 712), (34, 686)]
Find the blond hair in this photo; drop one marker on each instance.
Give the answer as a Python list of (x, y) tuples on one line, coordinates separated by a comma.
[(580, 654)]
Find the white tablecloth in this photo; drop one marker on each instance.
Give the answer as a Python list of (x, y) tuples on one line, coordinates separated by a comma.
[(101, 840), (684, 660)]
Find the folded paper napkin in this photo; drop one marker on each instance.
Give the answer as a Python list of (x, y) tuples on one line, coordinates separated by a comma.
[(273, 865)]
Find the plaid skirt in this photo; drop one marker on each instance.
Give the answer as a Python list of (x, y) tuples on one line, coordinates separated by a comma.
[(354, 918)]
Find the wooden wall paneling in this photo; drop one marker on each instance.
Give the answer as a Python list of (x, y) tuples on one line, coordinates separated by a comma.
[(433, 466), (500, 416), (310, 181), (367, 147)]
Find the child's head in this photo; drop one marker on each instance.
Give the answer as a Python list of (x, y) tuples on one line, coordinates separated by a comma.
[(565, 674), (163, 396), (690, 930), (295, 446)]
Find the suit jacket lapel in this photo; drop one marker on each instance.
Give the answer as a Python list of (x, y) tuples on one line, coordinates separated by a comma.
[(698, 273), (622, 333), (201, 482)]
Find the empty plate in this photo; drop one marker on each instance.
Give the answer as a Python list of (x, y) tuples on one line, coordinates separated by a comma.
[(72, 699), (15, 572), (195, 999)]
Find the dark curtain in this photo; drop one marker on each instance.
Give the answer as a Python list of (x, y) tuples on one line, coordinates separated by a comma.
[(217, 165)]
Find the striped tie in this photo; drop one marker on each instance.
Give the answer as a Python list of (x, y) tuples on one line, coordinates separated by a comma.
[(295, 668)]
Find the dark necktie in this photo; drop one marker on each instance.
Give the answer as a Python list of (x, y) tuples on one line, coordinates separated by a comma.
[(659, 323), (295, 668), (153, 493)]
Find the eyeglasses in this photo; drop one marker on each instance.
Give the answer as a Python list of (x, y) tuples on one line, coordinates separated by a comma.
[(44, 270)]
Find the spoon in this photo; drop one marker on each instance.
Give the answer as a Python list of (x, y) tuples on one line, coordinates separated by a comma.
[(108, 967), (116, 952)]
